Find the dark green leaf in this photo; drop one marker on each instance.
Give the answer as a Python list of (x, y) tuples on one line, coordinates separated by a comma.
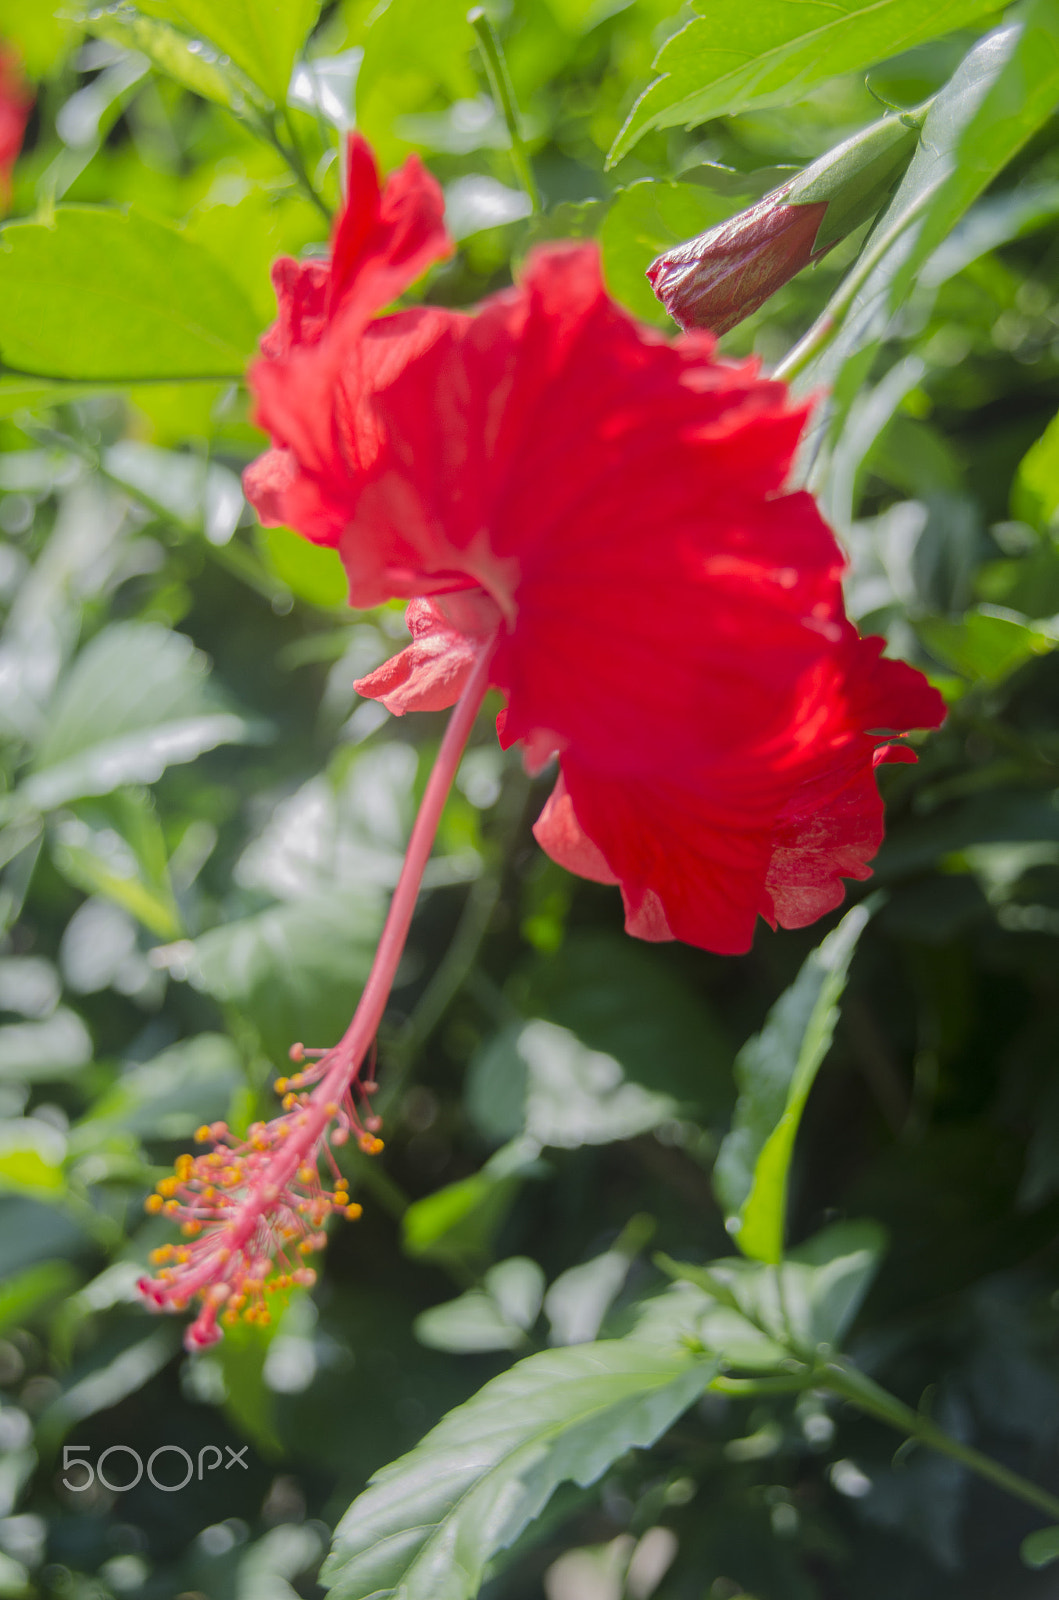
[(1040, 1549), (986, 646)]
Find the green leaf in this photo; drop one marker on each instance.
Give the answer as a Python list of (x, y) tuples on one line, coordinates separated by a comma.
[(808, 1301), (1040, 1549), (743, 55), (263, 37), (41, 38), (538, 1078), (169, 1097), (990, 78), (171, 51), (427, 1525), (1035, 492), (116, 848), (775, 1072), (1019, 99), (33, 1052), (458, 1224), (620, 997), (987, 645), (22, 1295), (311, 571), (110, 295), (294, 971), (136, 699), (495, 1317), (645, 219), (31, 1158)]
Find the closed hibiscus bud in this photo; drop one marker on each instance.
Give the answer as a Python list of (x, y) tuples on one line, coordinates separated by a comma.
[(720, 277)]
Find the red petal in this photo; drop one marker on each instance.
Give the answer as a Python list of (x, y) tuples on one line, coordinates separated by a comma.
[(447, 639), (559, 833)]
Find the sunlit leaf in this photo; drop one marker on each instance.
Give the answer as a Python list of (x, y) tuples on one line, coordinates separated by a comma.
[(263, 37), (171, 311), (136, 699), (31, 1158), (171, 51), (295, 971), (747, 54)]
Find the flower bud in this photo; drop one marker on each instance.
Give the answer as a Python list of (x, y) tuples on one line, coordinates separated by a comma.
[(717, 279)]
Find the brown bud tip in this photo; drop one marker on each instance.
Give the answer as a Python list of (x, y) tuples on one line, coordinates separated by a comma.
[(719, 278)]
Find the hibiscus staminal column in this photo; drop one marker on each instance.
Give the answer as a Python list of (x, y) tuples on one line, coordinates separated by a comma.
[(251, 1209)]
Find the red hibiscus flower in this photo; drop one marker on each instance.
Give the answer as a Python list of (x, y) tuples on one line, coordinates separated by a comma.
[(610, 508), (16, 102)]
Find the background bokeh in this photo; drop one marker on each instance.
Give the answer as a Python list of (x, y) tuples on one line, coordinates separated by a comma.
[(200, 823)]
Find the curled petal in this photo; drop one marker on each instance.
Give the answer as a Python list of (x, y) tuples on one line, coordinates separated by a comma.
[(447, 638)]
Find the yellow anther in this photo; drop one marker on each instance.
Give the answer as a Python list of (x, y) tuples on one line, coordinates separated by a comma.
[(203, 1135), (306, 1174), (171, 1208), (289, 1102), (184, 1166), (168, 1186), (306, 1247), (153, 1204), (280, 1086), (190, 1228), (163, 1253), (354, 1211)]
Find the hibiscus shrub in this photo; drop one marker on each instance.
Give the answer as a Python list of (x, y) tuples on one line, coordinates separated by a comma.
[(676, 1216)]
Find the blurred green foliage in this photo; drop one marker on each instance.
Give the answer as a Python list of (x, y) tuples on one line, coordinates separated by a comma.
[(200, 823)]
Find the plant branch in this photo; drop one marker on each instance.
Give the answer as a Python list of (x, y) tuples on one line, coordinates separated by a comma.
[(845, 1380), (830, 320)]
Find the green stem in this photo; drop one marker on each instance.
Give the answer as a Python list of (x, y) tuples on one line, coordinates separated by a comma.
[(296, 159), (843, 1379), (504, 95), (830, 321)]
